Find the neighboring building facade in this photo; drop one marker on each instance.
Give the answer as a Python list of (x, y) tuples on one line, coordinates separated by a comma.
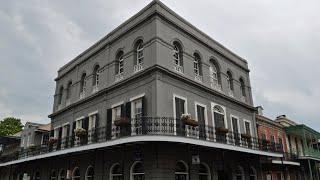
[(303, 142), (154, 99), (271, 132)]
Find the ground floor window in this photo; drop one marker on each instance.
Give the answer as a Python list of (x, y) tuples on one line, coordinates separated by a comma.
[(116, 172), (76, 174), (253, 173), (36, 175), (181, 171), (90, 173), (137, 171), (62, 174), (239, 173), (53, 175), (204, 172)]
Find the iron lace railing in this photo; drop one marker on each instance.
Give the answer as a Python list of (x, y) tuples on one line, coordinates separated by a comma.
[(158, 126)]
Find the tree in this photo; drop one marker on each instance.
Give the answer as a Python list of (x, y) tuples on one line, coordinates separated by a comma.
[(10, 126)]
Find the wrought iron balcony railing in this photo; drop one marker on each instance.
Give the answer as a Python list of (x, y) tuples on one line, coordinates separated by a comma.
[(159, 126)]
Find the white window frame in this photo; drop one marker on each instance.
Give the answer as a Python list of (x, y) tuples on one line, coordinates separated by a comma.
[(139, 49), (72, 176), (244, 126), (64, 130), (238, 123), (196, 66), (111, 175), (224, 112), (92, 120), (86, 175), (255, 173), (187, 169), (208, 174), (132, 167), (174, 109), (121, 64), (79, 122), (176, 51), (205, 116), (56, 132)]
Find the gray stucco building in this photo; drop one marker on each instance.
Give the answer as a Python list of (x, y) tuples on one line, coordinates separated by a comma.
[(154, 99)]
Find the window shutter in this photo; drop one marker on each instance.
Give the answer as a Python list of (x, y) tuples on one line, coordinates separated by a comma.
[(85, 123), (177, 106), (97, 121), (144, 110), (68, 130), (127, 110), (123, 113), (60, 133), (51, 133), (109, 124)]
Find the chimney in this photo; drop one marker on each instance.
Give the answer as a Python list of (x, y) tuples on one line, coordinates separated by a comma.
[(259, 110)]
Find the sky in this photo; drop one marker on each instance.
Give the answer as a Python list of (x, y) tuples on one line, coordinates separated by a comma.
[(279, 39)]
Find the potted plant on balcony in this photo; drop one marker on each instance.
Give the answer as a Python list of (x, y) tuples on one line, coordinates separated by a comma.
[(80, 132), (246, 135), (187, 120), (121, 121), (222, 130), (53, 140)]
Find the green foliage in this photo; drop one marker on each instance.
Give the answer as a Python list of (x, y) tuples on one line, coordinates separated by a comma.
[(10, 126)]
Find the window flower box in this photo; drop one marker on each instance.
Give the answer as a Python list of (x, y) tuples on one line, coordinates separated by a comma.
[(187, 120), (53, 140), (222, 130), (246, 135), (122, 121), (80, 132)]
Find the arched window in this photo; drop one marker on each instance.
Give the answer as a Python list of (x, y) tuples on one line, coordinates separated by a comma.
[(181, 171), (69, 90), (239, 173), (60, 95), (137, 171), (177, 57), (116, 172), (253, 173), (36, 175), (215, 75), (95, 81), (197, 64), (218, 113), (139, 52), (53, 175), (204, 172), (242, 87), (76, 174), (89, 173), (230, 83), (62, 174), (83, 85), (119, 63)]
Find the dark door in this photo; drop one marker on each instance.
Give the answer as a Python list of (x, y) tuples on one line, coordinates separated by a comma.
[(236, 134), (202, 123), (180, 126)]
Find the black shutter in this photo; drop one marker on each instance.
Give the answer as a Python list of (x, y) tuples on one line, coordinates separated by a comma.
[(123, 113), (51, 133), (127, 110), (96, 129), (85, 123), (72, 133), (144, 106), (109, 124), (59, 138)]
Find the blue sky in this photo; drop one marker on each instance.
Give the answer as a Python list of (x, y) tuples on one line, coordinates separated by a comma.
[(280, 40)]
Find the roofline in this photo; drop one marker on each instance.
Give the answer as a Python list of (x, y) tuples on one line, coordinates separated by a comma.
[(103, 43)]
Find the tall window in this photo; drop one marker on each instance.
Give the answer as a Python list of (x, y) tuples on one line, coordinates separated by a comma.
[(239, 173), (177, 57), (53, 175), (76, 174), (253, 174), (96, 76), (218, 113), (197, 64), (242, 87), (83, 84), (119, 63), (215, 75), (60, 95), (137, 171), (247, 127), (204, 172), (139, 53), (137, 108), (62, 174), (181, 171), (69, 90), (230, 82), (116, 172), (89, 173)]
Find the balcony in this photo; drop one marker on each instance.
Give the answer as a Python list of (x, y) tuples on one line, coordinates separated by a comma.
[(137, 68), (118, 77), (82, 95), (95, 89), (178, 68), (153, 128), (216, 86), (198, 78), (311, 153)]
